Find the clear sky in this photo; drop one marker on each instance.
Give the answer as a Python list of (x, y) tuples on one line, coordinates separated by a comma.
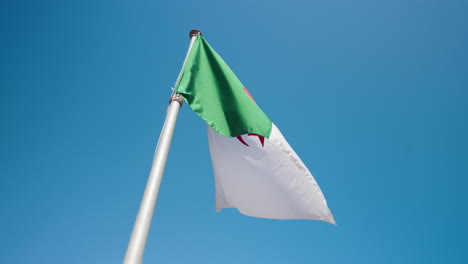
[(371, 95)]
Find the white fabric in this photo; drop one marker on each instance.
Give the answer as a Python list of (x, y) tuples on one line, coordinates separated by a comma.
[(267, 181)]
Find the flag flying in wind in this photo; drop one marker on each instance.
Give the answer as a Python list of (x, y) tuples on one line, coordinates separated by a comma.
[(256, 170)]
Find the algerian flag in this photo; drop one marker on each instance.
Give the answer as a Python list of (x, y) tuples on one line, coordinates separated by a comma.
[(256, 170)]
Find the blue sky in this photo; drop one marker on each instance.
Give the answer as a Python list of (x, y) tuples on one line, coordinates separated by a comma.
[(371, 95)]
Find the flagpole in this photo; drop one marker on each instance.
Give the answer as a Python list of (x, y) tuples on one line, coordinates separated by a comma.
[(137, 242)]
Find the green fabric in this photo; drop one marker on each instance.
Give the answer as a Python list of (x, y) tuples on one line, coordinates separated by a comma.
[(212, 90)]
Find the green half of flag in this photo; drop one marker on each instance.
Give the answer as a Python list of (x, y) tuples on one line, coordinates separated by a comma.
[(213, 91)]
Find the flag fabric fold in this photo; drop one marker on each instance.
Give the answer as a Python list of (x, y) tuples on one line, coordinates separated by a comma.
[(255, 169), (213, 91)]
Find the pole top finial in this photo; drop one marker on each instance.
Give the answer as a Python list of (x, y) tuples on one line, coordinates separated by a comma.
[(194, 32)]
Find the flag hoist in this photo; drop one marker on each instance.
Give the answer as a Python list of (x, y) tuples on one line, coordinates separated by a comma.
[(255, 169)]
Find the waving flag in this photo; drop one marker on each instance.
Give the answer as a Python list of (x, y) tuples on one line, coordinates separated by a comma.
[(256, 170)]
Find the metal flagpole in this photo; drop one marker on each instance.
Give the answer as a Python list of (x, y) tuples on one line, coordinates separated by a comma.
[(136, 244)]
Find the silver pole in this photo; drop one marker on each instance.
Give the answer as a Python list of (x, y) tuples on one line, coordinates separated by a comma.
[(136, 245)]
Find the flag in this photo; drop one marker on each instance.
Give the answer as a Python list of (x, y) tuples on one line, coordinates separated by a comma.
[(256, 170)]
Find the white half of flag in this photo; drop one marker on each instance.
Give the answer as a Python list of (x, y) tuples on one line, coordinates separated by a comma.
[(264, 179)]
